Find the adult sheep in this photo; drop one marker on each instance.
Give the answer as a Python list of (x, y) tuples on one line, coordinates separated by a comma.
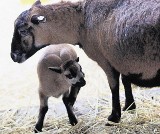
[(122, 36), (65, 73)]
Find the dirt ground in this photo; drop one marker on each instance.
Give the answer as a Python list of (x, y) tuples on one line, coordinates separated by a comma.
[(19, 98)]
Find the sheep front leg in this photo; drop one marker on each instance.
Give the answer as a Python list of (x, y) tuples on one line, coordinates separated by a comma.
[(129, 102), (69, 100), (113, 79), (42, 112), (73, 94)]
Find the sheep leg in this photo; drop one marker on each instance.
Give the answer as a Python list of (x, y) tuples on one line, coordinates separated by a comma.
[(69, 99), (113, 79), (42, 112), (73, 94), (129, 102)]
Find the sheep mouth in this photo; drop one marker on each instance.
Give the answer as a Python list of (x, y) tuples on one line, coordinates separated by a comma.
[(18, 57), (80, 84), (21, 56)]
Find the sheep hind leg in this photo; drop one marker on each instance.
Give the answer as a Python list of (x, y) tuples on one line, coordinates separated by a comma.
[(42, 112), (129, 102), (69, 100)]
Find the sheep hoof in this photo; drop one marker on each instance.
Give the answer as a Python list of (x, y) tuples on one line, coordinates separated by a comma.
[(114, 118), (130, 106), (73, 121), (37, 129)]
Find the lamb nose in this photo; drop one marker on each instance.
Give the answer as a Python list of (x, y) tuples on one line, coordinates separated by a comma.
[(83, 81)]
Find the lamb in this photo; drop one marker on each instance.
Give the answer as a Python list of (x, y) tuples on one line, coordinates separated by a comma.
[(64, 72), (122, 36)]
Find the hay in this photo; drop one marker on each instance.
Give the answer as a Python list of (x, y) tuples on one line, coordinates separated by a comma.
[(92, 114)]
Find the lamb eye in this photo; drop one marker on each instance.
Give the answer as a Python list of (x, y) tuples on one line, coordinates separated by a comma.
[(69, 76), (73, 73)]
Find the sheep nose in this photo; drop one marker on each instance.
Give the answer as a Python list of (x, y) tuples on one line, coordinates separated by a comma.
[(16, 57), (80, 83)]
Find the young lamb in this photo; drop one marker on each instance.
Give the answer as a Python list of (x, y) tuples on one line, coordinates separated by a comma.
[(58, 70)]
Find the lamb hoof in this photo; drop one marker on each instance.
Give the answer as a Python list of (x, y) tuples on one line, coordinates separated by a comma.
[(130, 106), (73, 121), (114, 118)]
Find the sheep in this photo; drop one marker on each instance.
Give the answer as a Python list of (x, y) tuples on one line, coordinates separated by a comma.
[(64, 72), (122, 36)]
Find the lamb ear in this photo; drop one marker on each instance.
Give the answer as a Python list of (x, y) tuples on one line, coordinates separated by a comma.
[(38, 2), (77, 60), (56, 69), (36, 19)]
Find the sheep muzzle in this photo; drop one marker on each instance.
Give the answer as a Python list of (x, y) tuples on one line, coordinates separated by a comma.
[(81, 83), (18, 57)]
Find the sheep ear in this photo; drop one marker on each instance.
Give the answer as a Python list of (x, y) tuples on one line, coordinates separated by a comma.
[(36, 19), (77, 60), (38, 2), (56, 69)]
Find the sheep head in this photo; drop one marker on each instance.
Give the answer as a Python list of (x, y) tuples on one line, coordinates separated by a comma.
[(41, 26), (25, 40), (72, 71)]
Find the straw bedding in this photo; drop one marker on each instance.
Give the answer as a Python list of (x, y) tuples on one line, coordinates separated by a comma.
[(92, 114)]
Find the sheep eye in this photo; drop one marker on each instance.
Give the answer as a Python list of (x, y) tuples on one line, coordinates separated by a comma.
[(69, 76), (23, 32), (73, 72)]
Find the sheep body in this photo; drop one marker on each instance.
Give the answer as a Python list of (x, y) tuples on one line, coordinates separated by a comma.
[(50, 83), (59, 74), (131, 42)]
